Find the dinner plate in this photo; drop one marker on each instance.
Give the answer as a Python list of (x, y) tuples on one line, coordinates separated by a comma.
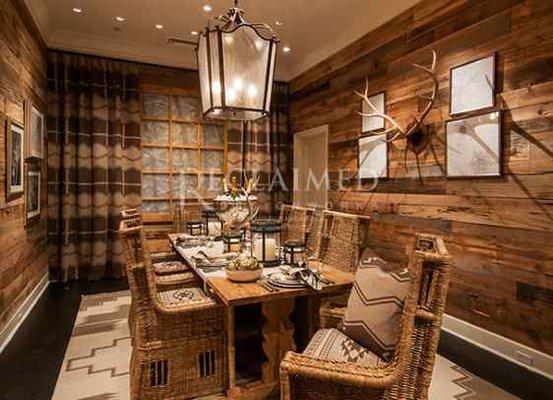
[(281, 280), (217, 263)]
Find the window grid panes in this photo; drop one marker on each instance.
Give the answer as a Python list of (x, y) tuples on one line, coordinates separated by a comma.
[(183, 156)]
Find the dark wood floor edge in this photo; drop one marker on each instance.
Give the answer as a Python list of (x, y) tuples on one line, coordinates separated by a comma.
[(509, 376)]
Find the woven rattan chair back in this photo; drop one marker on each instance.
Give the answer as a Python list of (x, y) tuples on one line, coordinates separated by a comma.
[(183, 213), (132, 235), (294, 220), (314, 232), (340, 240), (436, 265), (131, 213)]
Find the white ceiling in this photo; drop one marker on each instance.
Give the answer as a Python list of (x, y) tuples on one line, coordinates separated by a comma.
[(313, 29)]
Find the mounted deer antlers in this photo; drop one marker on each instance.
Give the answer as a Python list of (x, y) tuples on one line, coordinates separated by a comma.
[(416, 133)]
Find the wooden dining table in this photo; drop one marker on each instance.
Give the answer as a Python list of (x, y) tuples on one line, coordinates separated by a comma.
[(276, 306)]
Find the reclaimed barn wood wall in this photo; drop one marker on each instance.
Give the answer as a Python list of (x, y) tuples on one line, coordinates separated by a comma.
[(499, 230), (23, 251)]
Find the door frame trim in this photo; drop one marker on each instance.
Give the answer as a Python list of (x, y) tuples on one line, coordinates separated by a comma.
[(318, 130)]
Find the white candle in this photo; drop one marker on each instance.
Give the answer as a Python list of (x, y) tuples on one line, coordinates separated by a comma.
[(270, 249), (214, 228)]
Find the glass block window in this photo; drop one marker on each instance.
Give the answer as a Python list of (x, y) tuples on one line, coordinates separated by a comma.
[(183, 156)]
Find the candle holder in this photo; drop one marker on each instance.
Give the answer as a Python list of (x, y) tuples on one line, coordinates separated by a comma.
[(294, 252), (210, 215), (232, 242), (195, 228), (266, 241)]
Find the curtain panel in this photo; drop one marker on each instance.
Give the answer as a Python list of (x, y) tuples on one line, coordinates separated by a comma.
[(264, 149), (94, 162)]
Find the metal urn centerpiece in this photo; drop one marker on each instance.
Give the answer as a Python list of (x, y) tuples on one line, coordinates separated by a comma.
[(236, 207)]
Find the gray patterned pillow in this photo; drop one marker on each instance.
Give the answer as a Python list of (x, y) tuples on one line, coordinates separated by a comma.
[(375, 306)]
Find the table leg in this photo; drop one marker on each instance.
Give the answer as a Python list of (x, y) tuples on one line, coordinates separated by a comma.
[(231, 365), (278, 337)]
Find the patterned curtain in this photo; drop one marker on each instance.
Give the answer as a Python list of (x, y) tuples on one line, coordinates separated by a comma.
[(264, 149), (94, 162)]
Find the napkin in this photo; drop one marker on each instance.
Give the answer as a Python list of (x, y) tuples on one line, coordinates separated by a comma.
[(305, 275)]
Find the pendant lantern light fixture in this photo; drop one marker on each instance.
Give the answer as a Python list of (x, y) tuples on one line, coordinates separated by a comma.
[(236, 62)]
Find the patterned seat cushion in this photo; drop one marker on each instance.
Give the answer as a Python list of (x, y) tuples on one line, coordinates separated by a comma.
[(169, 267), (375, 306), (185, 296), (175, 279), (334, 345)]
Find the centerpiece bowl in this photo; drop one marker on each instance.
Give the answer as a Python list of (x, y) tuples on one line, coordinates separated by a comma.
[(243, 269)]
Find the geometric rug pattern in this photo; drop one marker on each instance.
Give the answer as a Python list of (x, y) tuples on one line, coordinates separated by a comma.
[(96, 362)]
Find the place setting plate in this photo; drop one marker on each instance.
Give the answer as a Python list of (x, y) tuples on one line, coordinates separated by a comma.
[(280, 279)]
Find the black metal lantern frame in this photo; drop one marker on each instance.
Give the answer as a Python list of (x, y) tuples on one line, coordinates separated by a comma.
[(236, 62), (266, 237), (294, 252), (232, 243), (210, 215)]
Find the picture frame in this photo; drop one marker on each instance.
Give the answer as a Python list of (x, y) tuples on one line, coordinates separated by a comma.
[(474, 146), (34, 135), (374, 124), (15, 138), (472, 86), (33, 181), (372, 159)]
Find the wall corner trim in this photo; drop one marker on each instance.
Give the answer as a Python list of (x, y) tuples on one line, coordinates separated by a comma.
[(22, 312), (501, 346)]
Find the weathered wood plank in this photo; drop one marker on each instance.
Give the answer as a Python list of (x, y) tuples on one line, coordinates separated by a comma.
[(499, 230)]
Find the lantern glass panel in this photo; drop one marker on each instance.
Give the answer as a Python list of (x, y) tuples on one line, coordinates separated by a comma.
[(216, 89), (265, 246), (204, 73), (246, 56)]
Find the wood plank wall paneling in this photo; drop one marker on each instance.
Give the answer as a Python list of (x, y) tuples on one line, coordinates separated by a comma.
[(23, 250), (499, 230)]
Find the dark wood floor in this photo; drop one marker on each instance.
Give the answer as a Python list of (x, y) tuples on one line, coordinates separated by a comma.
[(30, 364)]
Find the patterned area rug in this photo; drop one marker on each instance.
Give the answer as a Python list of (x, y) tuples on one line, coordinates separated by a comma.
[(96, 364)]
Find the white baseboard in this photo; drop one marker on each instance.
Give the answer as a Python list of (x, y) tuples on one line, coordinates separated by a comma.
[(22, 312), (515, 352)]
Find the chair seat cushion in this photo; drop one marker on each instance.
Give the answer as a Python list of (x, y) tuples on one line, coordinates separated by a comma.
[(175, 279), (170, 267), (334, 345), (185, 296), (375, 306)]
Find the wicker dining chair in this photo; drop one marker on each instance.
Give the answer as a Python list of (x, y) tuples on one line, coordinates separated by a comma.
[(408, 375), (178, 335), (314, 232), (187, 218), (170, 271), (294, 222), (339, 246)]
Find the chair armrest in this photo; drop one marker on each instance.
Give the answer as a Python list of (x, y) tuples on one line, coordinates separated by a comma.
[(348, 374)]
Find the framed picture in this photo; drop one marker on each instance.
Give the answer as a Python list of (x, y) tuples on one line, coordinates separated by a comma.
[(474, 146), (472, 86), (373, 157), (372, 124), (32, 201), (34, 121), (14, 160)]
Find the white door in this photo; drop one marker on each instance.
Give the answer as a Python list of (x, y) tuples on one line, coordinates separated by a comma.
[(311, 167)]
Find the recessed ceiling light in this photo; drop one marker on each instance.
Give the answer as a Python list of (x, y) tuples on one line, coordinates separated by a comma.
[(278, 23), (286, 49), (120, 19), (77, 10), (207, 8), (158, 26), (194, 33)]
